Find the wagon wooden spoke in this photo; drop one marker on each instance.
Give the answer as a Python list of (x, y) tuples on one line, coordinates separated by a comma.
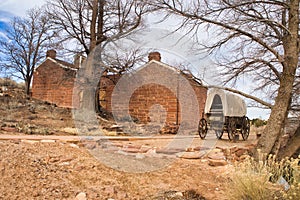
[(202, 128), (246, 128), (232, 129)]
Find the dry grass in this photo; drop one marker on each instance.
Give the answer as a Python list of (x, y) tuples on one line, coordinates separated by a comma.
[(253, 180)]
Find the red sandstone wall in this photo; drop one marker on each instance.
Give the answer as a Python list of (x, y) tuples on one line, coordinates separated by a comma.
[(53, 84), (145, 97), (144, 102)]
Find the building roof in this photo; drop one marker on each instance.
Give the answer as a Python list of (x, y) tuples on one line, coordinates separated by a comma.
[(185, 74), (61, 63)]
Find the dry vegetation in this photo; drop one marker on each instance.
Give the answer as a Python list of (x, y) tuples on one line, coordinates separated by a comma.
[(267, 179)]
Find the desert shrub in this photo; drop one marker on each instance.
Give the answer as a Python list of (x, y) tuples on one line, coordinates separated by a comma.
[(264, 180), (258, 122), (7, 82)]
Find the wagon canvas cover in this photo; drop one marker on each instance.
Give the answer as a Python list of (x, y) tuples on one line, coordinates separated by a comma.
[(232, 105)]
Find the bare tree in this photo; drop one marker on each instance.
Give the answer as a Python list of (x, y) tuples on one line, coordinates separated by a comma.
[(96, 23), (93, 22), (260, 38), (27, 40), (120, 59)]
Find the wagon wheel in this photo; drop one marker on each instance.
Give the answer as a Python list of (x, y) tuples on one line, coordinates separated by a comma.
[(231, 129), (202, 128), (219, 134), (245, 128)]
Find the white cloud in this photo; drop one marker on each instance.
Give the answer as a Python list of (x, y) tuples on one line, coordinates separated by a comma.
[(18, 7)]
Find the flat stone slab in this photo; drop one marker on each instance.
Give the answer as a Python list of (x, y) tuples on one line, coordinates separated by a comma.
[(169, 151), (191, 155), (217, 163)]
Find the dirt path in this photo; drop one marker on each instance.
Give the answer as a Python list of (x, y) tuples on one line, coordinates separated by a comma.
[(60, 167)]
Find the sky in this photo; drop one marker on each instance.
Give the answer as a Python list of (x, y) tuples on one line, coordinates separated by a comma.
[(200, 64), (19, 7), (11, 8)]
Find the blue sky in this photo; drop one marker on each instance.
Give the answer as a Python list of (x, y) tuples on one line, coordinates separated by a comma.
[(11, 8)]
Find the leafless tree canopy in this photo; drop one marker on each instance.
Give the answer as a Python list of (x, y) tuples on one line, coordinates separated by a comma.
[(247, 37), (259, 38), (26, 43), (93, 22)]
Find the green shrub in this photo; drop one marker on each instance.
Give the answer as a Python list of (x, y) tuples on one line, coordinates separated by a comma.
[(258, 122)]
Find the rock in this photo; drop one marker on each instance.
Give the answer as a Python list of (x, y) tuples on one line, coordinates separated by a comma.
[(240, 152), (131, 150), (30, 141), (122, 195), (109, 190), (54, 159), (152, 153), (48, 141), (117, 144), (216, 150), (200, 148), (216, 156), (68, 159), (233, 149), (111, 149), (74, 145), (217, 163), (169, 151), (10, 129), (81, 196), (189, 149), (144, 149), (64, 164), (191, 155), (140, 156), (90, 145), (70, 130)]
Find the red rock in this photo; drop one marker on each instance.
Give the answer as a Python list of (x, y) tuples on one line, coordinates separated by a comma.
[(131, 150), (144, 149), (192, 155), (10, 129), (216, 156), (217, 163), (200, 148), (169, 151), (241, 152)]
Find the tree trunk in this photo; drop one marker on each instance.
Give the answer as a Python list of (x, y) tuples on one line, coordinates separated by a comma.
[(27, 87), (292, 147), (93, 40), (273, 130)]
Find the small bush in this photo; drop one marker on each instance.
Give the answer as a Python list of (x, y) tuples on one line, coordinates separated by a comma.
[(253, 180), (7, 82), (258, 122)]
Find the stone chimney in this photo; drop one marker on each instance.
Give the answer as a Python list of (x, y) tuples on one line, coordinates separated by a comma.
[(154, 56), (51, 54), (78, 60)]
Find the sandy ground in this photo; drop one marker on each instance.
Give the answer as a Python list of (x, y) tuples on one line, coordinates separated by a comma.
[(52, 168), (58, 170)]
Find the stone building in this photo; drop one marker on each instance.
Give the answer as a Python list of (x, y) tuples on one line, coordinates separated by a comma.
[(53, 81)]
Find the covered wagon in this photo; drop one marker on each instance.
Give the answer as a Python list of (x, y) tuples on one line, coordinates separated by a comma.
[(224, 112)]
